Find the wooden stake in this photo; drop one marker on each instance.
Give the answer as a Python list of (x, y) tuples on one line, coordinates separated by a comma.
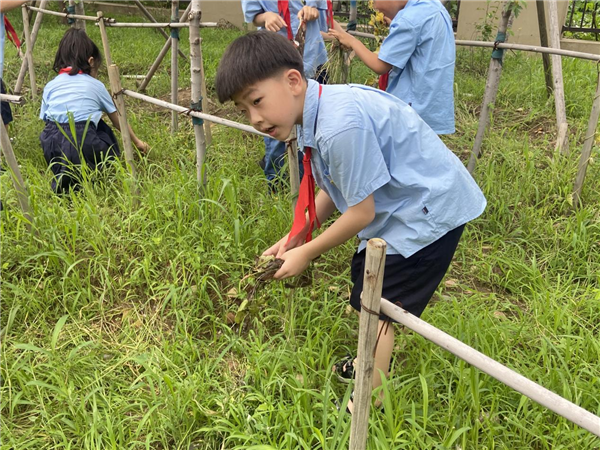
[(207, 130), (586, 151), (24, 64), (15, 172), (151, 18), (28, 54), (541, 14), (293, 164), (562, 141), (196, 79), (80, 10), (162, 53), (117, 92), (104, 36), (491, 88), (174, 66), (367, 341)]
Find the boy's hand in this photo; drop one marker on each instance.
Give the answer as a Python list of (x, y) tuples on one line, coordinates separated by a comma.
[(343, 37), (280, 247), (142, 146), (296, 261), (308, 14), (273, 22)]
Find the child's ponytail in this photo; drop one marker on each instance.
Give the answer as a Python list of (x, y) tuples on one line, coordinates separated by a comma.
[(74, 51)]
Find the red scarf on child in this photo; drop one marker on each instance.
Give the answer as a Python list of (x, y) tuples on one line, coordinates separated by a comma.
[(12, 34)]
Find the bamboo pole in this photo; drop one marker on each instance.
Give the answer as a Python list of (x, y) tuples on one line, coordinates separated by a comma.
[(28, 54), (292, 153), (174, 66), (18, 183), (151, 18), (541, 15), (159, 25), (491, 86), (80, 11), (24, 64), (189, 112), (207, 130), (512, 379), (196, 81), (42, 10), (367, 342), (117, 92), (104, 36), (586, 151), (16, 99), (162, 53), (562, 140), (506, 46)]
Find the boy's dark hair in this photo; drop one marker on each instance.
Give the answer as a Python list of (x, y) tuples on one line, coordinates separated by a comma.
[(74, 50), (254, 57)]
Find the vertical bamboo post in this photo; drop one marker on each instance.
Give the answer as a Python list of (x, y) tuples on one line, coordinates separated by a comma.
[(207, 124), (196, 81), (29, 54), (367, 341), (80, 10), (151, 18), (15, 172), (292, 153), (105, 46), (541, 15), (491, 85), (162, 54), (34, 32), (586, 151), (562, 140), (116, 89), (174, 62)]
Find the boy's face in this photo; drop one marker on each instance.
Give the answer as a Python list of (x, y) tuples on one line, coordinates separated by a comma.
[(389, 8), (274, 105)]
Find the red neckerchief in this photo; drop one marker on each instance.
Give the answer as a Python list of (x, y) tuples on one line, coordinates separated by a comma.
[(12, 34), (383, 81), (306, 198), (67, 70), (283, 6), (330, 13)]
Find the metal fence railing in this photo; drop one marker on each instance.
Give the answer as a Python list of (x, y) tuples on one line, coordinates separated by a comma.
[(583, 20)]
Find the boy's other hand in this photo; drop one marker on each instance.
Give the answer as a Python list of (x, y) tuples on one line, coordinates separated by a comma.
[(308, 14), (282, 245), (344, 38), (295, 260), (273, 22)]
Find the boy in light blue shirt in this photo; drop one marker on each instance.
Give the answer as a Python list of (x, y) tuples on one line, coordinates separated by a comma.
[(283, 17), (374, 159), (416, 60)]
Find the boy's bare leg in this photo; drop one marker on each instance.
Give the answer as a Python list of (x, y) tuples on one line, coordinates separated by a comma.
[(383, 356)]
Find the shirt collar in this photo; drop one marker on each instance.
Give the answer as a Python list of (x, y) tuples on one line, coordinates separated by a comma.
[(309, 114)]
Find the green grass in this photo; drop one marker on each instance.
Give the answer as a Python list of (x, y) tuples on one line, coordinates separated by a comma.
[(115, 326)]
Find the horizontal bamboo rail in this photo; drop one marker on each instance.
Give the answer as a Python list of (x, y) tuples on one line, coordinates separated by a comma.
[(159, 25), (529, 48), (181, 109), (16, 99), (61, 14), (525, 386)]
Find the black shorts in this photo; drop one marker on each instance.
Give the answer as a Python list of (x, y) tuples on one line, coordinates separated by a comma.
[(5, 107), (409, 282)]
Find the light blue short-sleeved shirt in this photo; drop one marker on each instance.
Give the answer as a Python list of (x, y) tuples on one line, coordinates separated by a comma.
[(321, 5), (315, 53), (82, 95), (421, 49), (365, 142)]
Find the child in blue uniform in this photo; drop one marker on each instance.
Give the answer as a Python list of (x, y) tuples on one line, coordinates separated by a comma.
[(76, 93), (373, 158), (416, 60), (284, 17)]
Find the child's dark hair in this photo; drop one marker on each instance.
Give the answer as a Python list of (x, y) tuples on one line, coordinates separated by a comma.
[(74, 50), (254, 57)]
